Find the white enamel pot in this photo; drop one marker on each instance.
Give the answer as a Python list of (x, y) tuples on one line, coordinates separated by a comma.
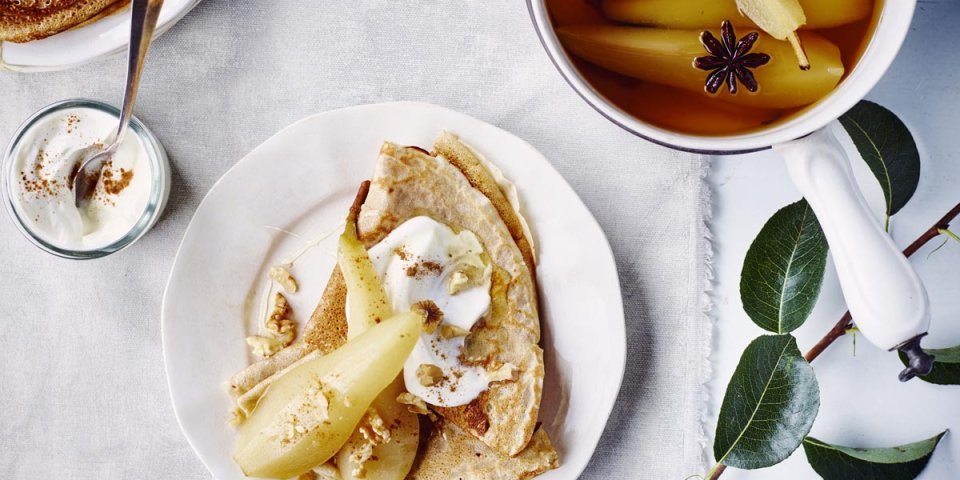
[(885, 296)]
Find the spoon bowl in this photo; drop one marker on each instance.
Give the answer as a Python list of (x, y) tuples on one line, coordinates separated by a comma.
[(88, 172)]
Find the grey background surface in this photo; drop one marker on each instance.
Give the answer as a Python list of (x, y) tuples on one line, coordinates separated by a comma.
[(84, 393)]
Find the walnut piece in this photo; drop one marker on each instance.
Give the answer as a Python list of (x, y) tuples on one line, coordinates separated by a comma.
[(278, 325), (374, 432), (507, 371), (237, 417), (373, 428), (263, 347), (414, 403), (469, 271), (302, 416), (278, 331), (429, 374), (281, 275), (431, 313), (327, 471), (281, 308), (448, 331)]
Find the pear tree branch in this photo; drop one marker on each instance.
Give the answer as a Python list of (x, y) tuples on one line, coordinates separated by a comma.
[(846, 321)]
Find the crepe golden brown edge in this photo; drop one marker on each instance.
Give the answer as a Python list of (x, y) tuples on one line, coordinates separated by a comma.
[(453, 186), (30, 20)]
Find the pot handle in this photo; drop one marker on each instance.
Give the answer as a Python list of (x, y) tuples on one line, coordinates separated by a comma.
[(885, 295)]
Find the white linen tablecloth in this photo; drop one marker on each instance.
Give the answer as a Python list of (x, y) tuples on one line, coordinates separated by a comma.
[(84, 393)]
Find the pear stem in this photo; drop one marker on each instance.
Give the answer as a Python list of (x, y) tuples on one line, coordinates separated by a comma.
[(798, 49)]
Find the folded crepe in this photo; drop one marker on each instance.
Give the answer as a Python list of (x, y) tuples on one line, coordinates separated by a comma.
[(27, 20), (452, 453), (454, 186)]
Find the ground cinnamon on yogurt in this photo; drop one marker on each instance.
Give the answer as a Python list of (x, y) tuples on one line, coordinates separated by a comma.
[(44, 163)]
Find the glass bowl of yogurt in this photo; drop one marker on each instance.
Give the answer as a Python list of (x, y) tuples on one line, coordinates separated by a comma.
[(38, 166)]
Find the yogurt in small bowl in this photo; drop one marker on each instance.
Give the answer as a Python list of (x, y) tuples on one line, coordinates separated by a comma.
[(41, 159)]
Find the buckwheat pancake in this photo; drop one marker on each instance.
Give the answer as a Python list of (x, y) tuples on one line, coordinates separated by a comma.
[(452, 453), (27, 20), (408, 182), (450, 187), (486, 178)]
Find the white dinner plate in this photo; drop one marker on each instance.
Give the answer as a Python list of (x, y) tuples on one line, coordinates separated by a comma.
[(302, 180), (104, 37)]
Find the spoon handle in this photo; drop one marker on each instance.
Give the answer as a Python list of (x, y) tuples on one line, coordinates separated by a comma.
[(143, 21)]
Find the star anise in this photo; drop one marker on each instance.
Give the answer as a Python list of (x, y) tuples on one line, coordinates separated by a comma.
[(729, 60)]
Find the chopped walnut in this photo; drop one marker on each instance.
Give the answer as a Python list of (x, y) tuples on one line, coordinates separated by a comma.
[(359, 457), (283, 331), (278, 331), (281, 308), (477, 351), (507, 371), (327, 471), (236, 417), (279, 326), (373, 428), (429, 374), (414, 403), (296, 421), (469, 271), (374, 432), (281, 275), (448, 331), (264, 347), (431, 313)]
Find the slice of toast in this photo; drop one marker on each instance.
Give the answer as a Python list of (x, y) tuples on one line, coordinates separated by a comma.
[(27, 20), (450, 188)]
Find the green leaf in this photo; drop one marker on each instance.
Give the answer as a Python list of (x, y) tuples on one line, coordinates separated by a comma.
[(834, 462), (887, 146), (946, 366), (769, 406), (783, 270)]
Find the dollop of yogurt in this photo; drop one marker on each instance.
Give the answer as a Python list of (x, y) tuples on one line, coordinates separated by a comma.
[(43, 163), (423, 259)]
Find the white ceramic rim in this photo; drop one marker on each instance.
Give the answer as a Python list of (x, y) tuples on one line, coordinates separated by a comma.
[(589, 438), (104, 38), (895, 19), (159, 183)]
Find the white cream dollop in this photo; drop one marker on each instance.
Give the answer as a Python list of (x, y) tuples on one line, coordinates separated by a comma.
[(40, 180), (417, 261)]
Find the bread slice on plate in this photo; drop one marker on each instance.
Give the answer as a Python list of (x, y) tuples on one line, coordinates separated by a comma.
[(457, 187), (27, 20)]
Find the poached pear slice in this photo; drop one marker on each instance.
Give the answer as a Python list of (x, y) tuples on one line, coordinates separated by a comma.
[(307, 415), (361, 458), (392, 457), (665, 56), (367, 302), (699, 14)]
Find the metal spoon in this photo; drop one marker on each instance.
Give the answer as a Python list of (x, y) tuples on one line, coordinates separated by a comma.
[(143, 21)]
